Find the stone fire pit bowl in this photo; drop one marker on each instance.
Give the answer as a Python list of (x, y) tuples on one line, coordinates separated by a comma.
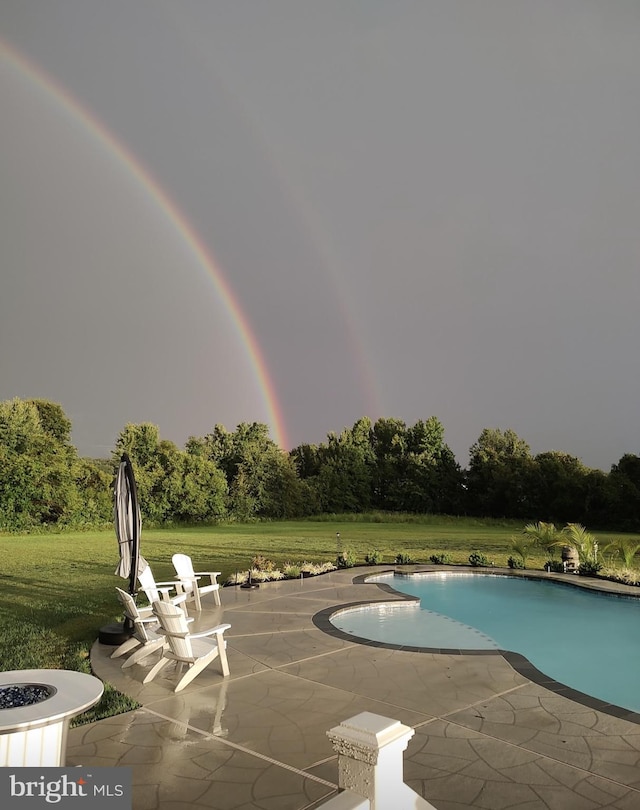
[(36, 707)]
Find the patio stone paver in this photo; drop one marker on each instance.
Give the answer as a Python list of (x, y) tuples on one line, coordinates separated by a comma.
[(277, 715), (175, 767), (279, 649), (428, 683), (540, 721), (486, 736), (459, 768)]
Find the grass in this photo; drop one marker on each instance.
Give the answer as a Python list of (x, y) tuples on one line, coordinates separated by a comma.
[(58, 589)]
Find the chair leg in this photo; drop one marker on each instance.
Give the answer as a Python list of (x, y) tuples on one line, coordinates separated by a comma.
[(129, 644), (162, 663), (222, 649), (195, 669), (216, 596), (143, 652)]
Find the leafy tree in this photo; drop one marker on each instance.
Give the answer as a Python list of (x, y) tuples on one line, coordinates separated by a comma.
[(94, 486), (37, 483), (344, 483), (229, 450), (558, 487), (499, 472), (307, 460), (172, 484), (141, 442), (433, 477), (623, 493), (390, 447), (266, 485), (203, 491), (53, 420), (262, 480), (600, 506)]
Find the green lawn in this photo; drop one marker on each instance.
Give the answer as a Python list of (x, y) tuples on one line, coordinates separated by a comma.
[(58, 589)]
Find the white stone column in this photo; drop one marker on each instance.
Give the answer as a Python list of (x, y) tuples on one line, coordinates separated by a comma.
[(370, 764)]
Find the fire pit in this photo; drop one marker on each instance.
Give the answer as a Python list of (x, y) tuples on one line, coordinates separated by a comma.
[(36, 706)]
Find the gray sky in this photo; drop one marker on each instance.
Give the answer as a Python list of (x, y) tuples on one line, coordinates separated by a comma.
[(422, 208)]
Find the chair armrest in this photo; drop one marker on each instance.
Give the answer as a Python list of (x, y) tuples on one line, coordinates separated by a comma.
[(212, 574), (220, 628), (171, 584)]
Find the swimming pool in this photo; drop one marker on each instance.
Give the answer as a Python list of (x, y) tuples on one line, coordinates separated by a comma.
[(588, 641)]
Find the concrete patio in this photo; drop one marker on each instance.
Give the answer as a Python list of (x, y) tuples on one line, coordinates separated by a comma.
[(486, 735)]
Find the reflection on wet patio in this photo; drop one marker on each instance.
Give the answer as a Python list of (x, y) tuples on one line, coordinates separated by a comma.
[(485, 735)]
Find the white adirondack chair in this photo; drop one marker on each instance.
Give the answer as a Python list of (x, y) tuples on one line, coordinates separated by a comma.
[(155, 591), (196, 650), (190, 580), (145, 632)]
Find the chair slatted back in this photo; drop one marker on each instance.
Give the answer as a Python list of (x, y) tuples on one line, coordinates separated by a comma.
[(148, 584), (184, 568), (131, 612), (175, 627)]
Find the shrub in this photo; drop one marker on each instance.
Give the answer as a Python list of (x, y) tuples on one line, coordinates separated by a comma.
[(238, 578), (512, 562), (589, 568), (441, 559), (326, 567), (554, 565), (477, 560), (291, 571), (346, 559), (373, 558), (260, 563), (309, 568), (257, 575), (628, 576), (521, 545), (403, 559), (626, 548)]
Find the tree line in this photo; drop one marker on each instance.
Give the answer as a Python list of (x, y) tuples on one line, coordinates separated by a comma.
[(243, 475)]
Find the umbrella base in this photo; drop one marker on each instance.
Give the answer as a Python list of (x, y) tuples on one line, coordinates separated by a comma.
[(114, 634)]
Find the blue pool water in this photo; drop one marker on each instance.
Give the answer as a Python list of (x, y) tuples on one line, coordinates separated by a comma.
[(588, 641)]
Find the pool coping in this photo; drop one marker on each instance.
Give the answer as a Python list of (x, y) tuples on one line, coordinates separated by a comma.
[(519, 662)]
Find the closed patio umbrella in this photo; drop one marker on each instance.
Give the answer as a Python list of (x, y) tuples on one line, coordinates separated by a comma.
[(128, 524)]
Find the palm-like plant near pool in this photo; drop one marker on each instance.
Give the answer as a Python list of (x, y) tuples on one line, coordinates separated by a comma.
[(585, 543), (544, 535), (625, 547)]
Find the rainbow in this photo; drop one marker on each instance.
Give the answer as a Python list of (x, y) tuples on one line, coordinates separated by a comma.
[(300, 204), (94, 128)]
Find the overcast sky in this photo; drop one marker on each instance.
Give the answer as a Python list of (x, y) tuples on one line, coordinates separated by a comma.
[(425, 207)]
